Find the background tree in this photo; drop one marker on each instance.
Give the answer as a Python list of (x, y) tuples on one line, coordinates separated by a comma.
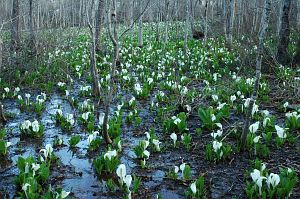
[(262, 35), (15, 32), (284, 33), (93, 61), (99, 24)]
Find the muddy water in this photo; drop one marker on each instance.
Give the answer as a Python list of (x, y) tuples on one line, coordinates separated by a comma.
[(75, 172)]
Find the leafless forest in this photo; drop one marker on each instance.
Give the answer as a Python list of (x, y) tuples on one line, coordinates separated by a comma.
[(149, 99)]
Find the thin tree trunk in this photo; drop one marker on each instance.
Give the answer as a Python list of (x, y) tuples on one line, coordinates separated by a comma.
[(166, 20), (140, 36), (15, 31), (112, 19), (1, 54), (284, 33), (99, 24), (206, 20), (262, 35), (186, 32), (32, 42), (93, 67), (229, 20), (298, 16)]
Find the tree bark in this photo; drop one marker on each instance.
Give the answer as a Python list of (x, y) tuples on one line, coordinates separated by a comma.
[(262, 35), (15, 31), (229, 21), (32, 42), (284, 33), (93, 61), (140, 36), (1, 54), (186, 32), (99, 24), (113, 34)]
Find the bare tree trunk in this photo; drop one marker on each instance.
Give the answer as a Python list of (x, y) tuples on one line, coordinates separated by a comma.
[(99, 24), (229, 20), (284, 33), (166, 20), (140, 36), (186, 32), (112, 19), (32, 42), (298, 16), (206, 20), (94, 71), (262, 35), (15, 32), (1, 54)]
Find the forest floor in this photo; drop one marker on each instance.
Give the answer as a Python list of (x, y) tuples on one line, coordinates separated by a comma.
[(224, 177)]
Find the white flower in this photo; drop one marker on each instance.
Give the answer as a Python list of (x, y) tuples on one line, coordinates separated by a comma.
[(91, 138), (17, 89), (156, 143), (232, 98), (182, 167), (121, 171), (176, 169), (25, 125), (217, 134), (285, 105), (247, 102), (280, 132), (273, 179), (266, 113), (35, 167), (215, 97), (35, 126), (256, 139), (193, 187), (177, 121), (254, 109), (137, 88), (85, 116), (217, 145), (7, 144), (257, 179), (265, 122), (20, 97), (146, 153), (119, 146), (6, 89), (49, 149), (64, 194), (101, 119), (25, 186), (150, 80), (263, 166), (67, 93), (213, 117), (59, 112), (70, 119), (131, 101), (27, 95), (173, 136), (254, 127), (147, 135), (110, 154), (220, 106), (128, 180)]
